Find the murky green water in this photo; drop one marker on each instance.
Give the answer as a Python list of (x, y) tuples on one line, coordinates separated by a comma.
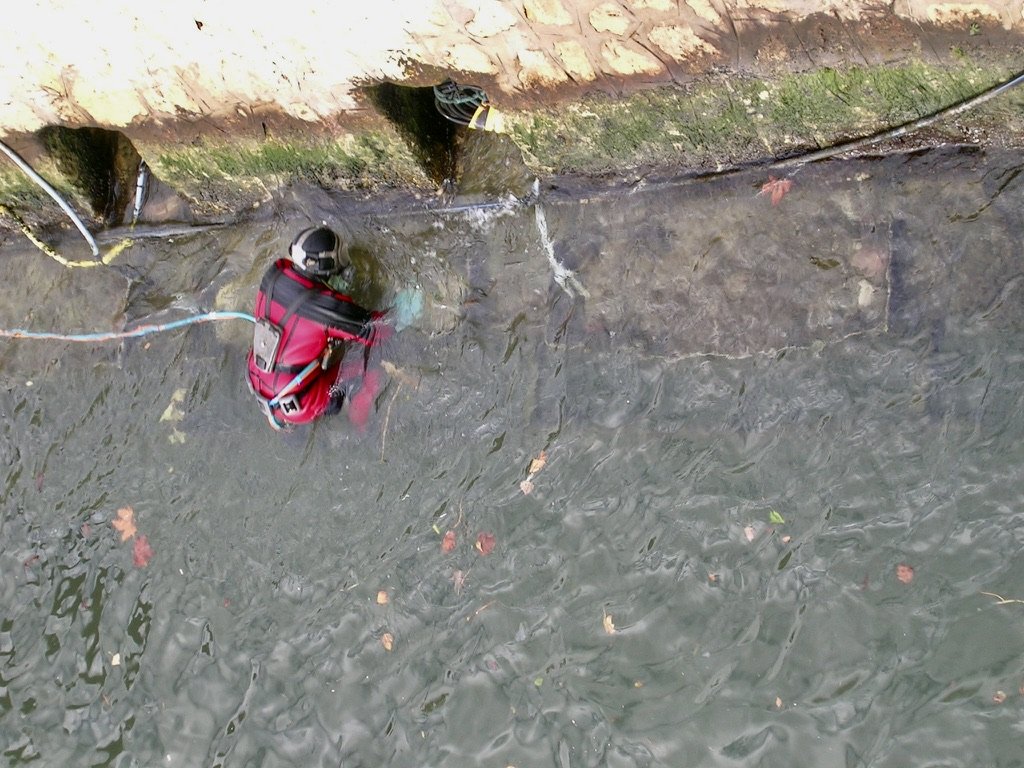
[(846, 362)]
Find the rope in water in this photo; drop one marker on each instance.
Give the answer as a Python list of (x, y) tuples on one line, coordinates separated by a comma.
[(107, 258), (142, 330)]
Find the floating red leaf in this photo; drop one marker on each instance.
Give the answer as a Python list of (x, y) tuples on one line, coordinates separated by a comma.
[(776, 189), (141, 551), (485, 543), (904, 573), (361, 403), (448, 542)]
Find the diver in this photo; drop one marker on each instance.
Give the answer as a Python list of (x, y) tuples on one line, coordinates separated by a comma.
[(304, 328)]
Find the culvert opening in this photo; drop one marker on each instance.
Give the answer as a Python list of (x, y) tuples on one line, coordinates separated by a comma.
[(102, 165), (433, 139), (436, 122), (107, 170)]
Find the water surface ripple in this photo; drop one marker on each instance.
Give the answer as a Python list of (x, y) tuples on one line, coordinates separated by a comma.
[(756, 418)]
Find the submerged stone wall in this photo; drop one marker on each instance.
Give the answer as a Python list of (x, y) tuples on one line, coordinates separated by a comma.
[(125, 65)]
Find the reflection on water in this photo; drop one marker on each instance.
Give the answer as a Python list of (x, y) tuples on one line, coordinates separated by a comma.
[(753, 415)]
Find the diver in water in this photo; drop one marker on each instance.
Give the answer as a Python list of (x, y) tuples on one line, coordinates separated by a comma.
[(303, 329)]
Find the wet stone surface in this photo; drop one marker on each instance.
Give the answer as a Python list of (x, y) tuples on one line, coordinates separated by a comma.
[(771, 502)]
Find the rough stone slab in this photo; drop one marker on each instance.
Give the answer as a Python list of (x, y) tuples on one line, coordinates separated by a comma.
[(490, 19), (705, 11), (679, 42), (465, 57), (549, 12), (611, 18), (628, 58), (538, 69), (575, 60)]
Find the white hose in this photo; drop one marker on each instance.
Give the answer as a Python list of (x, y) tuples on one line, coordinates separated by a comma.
[(52, 193)]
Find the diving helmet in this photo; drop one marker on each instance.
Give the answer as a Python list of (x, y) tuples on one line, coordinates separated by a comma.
[(316, 251)]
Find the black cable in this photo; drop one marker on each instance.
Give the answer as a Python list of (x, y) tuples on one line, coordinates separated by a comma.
[(458, 103)]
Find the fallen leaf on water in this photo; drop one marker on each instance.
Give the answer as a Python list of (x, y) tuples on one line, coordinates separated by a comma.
[(395, 372), (382, 597), (999, 697), (775, 518), (39, 482), (388, 641), (115, 660), (526, 487), (904, 573), (141, 552), (448, 542), (125, 522), (776, 188), (786, 539), (538, 463), (749, 532), (870, 262), (778, 702), (609, 625), (485, 543)]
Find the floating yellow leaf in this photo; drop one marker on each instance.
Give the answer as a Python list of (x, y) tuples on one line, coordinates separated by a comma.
[(609, 625), (538, 463), (382, 597), (125, 523), (388, 641)]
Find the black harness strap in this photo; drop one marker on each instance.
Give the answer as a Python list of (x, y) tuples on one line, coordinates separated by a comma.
[(320, 307), (269, 283)]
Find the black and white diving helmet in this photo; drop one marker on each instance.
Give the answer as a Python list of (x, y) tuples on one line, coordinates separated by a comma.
[(316, 251)]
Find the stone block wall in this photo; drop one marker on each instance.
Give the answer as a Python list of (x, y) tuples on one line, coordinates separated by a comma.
[(121, 65)]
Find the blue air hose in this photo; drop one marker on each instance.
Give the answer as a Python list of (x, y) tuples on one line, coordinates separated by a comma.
[(142, 330)]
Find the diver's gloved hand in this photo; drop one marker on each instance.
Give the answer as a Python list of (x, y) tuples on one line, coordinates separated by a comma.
[(342, 281), (361, 402), (408, 307)]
